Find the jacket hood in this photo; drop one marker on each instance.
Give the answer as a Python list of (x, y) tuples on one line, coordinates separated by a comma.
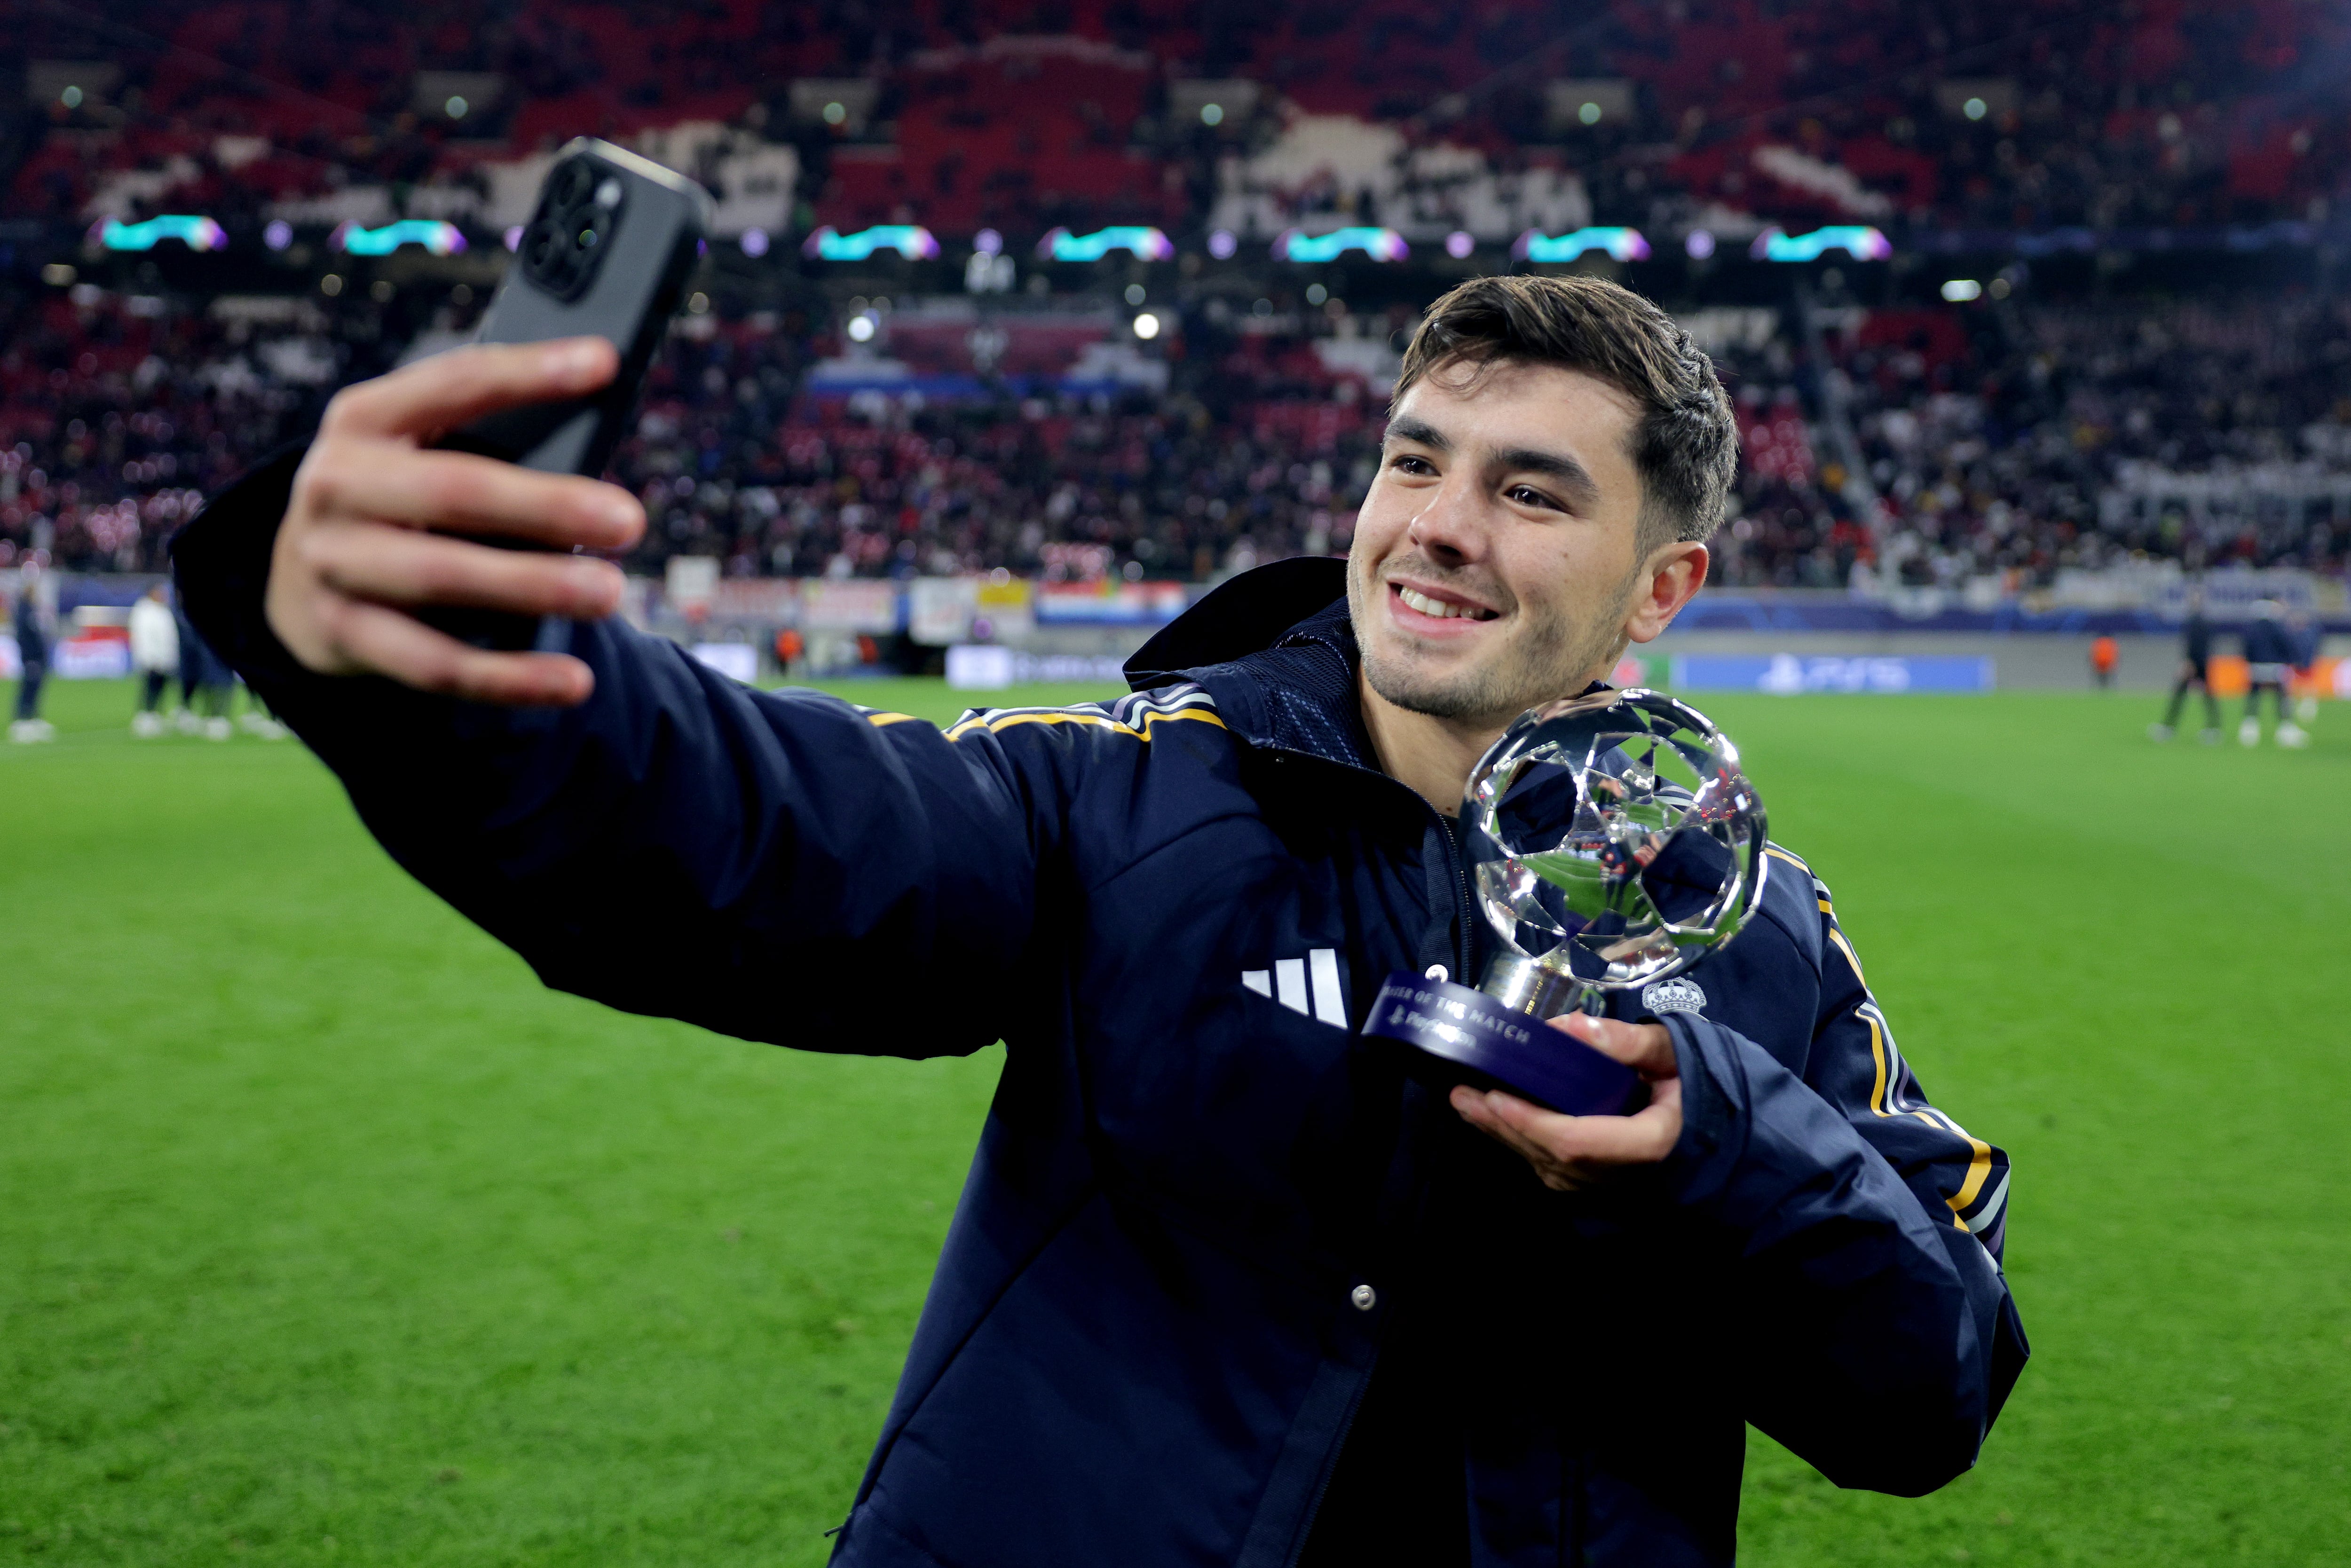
[(1275, 648), (1239, 616)]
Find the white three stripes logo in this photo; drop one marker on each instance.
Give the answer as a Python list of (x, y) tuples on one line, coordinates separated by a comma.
[(1287, 984)]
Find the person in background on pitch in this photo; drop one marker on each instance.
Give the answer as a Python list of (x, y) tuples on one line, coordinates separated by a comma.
[(2304, 638), (2268, 654), (2195, 670), (33, 659), (2104, 655), (202, 673), (154, 657)]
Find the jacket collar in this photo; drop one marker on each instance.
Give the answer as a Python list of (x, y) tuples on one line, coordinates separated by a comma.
[(1275, 648)]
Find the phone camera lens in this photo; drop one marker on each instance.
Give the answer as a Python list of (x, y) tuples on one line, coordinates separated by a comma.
[(581, 202)]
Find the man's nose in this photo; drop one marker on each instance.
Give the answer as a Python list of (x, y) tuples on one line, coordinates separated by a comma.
[(1450, 531)]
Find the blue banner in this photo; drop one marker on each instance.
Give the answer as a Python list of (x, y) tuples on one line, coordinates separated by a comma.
[(1789, 674)]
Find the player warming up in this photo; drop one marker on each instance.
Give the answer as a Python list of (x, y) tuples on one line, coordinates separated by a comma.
[(2195, 670)]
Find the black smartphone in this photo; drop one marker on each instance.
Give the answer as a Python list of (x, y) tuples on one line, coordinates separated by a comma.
[(607, 252)]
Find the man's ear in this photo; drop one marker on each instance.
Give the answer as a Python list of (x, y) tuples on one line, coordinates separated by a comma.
[(1670, 579)]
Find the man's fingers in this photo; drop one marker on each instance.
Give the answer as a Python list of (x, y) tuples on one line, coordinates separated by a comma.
[(447, 390), (1645, 1047), (1569, 1152), (393, 566), (457, 491), (1603, 1140), (414, 654)]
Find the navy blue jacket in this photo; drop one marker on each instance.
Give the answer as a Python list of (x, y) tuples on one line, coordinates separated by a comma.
[(1145, 1339), (2267, 641)]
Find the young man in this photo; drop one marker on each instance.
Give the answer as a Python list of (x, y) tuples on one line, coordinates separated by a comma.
[(1228, 1285)]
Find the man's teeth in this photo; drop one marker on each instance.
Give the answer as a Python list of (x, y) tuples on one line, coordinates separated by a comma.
[(1438, 607)]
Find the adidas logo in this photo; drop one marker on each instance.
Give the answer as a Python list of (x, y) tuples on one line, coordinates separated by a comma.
[(1290, 982)]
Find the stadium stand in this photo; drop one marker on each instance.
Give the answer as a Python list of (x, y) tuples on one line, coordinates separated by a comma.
[(1891, 438)]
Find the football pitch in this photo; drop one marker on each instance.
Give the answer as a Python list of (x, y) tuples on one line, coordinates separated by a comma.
[(327, 1235)]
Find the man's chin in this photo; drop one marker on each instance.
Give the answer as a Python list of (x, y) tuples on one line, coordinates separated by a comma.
[(1456, 695)]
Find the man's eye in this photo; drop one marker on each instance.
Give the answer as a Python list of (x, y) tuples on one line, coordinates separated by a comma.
[(1406, 462), (1526, 495)]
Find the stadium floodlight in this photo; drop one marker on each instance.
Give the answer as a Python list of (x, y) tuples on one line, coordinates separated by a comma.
[(1376, 244), (437, 237), (1146, 326), (195, 231), (1959, 291), (1620, 244), (1858, 241), (1139, 241), (911, 241)]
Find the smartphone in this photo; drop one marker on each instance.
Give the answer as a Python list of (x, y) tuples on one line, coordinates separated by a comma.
[(608, 251)]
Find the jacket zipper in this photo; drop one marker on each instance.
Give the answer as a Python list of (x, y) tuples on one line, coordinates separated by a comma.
[(1463, 909), (1463, 904), (1464, 901), (1331, 1470)]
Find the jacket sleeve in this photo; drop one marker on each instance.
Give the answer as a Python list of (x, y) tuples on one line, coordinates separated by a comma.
[(781, 866), (1879, 1334)]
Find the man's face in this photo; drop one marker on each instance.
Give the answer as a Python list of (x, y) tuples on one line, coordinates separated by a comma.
[(1495, 557)]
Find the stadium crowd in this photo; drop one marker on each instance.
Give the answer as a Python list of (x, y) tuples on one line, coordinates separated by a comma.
[(2037, 116), (1988, 436)]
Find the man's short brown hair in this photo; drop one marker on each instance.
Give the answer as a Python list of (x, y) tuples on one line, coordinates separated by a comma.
[(1685, 440)]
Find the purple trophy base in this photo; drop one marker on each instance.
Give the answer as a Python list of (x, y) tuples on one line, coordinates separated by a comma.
[(1514, 1050)]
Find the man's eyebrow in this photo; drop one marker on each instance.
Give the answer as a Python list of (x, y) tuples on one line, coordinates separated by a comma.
[(1419, 432), (1572, 475)]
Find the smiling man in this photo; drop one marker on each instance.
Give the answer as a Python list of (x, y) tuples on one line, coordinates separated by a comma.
[(1227, 1285)]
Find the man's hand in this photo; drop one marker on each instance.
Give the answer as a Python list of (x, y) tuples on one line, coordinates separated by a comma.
[(364, 538), (1572, 1151)]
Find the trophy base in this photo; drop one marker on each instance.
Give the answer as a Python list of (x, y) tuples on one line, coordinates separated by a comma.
[(1488, 1042)]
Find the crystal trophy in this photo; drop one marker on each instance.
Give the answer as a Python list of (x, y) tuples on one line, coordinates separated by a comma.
[(1612, 842)]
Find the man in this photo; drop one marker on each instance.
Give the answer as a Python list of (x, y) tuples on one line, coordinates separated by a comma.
[(2268, 654), (154, 657), (31, 625), (204, 675), (2195, 670), (1227, 1285), (2304, 637)]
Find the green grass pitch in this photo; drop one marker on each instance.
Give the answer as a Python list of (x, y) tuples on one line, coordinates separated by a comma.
[(326, 1237)]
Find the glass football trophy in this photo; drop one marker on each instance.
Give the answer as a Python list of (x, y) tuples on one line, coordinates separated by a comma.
[(1612, 842)]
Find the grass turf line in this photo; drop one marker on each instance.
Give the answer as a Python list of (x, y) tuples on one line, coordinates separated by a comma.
[(326, 1236)]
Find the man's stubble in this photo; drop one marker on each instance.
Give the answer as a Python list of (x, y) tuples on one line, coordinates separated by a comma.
[(1548, 659)]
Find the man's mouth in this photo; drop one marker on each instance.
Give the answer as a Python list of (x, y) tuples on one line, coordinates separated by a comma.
[(1441, 609)]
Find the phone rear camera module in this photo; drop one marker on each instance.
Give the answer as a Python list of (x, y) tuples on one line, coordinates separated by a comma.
[(573, 228)]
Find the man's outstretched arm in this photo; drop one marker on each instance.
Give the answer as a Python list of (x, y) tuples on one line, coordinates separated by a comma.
[(643, 830)]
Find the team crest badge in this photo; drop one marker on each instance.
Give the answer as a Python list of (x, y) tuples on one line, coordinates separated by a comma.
[(1679, 995)]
